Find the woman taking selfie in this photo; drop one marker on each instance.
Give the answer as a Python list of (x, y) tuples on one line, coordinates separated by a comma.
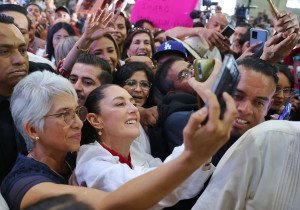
[(112, 125), (45, 111)]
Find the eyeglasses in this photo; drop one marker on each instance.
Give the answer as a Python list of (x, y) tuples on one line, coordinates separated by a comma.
[(286, 91), (185, 74), (69, 114), (145, 85), (139, 29)]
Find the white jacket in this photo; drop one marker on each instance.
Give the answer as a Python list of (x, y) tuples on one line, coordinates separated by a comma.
[(260, 171), (96, 167)]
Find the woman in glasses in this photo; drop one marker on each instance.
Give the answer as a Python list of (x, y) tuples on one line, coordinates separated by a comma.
[(137, 78), (283, 92), (139, 42), (45, 111), (111, 126)]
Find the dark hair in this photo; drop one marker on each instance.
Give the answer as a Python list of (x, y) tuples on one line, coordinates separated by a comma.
[(105, 76), (261, 66), (34, 4), (56, 27), (243, 24), (6, 19), (61, 202), (89, 134), (127, 70), (129, 38), (127, 22), (156, 33), (245, 37), (140, 23), (15, 8), (162, 82), (286, 72)]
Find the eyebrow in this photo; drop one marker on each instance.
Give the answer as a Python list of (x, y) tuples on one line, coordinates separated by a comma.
[(122, 98), (11, 45)]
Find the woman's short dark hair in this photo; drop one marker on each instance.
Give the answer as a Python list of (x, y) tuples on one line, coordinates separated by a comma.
[(127, 70), (130, 37), (56, 27), (89, 134), (286, 72)]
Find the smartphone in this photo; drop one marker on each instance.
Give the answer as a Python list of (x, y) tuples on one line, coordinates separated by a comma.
[(227, 31), (286, 112), (226, 81), (258, 36), (203, 68)]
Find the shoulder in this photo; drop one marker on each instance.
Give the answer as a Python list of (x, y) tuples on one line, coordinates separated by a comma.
[(25, 174)]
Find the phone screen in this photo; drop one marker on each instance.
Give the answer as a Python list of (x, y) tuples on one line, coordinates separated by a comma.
[(226, 81), (227, 31)]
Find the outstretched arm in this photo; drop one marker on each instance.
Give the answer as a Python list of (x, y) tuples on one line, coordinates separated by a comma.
[(201, 142)]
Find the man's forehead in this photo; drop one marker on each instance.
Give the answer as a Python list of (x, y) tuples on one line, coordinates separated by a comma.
[(11, 31), (19, 19), (86, 70)]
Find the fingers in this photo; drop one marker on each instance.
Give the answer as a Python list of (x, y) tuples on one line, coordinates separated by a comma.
[(213, 110), (194, 122), (107, 19), (287, 43), (199, 87), (274, 40), (116, 16)]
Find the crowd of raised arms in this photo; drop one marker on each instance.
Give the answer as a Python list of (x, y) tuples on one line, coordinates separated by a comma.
[(97, 112)]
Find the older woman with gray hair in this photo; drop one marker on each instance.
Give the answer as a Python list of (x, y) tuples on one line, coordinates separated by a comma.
[(45, 111)]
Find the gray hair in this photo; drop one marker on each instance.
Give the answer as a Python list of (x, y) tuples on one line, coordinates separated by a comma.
[(32, 99), (64, 47)]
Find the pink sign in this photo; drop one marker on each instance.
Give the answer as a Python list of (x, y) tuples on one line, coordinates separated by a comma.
[(164, 14)]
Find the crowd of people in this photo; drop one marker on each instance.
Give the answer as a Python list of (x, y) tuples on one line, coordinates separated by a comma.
[(101, 113)]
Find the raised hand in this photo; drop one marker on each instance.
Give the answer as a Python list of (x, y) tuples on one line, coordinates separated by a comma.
[(97, 24), (287, 23), (204, 140), (276, 49)]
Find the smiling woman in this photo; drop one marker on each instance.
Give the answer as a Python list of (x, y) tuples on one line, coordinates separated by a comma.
[(138, 79), (139, 42), (111, 127), (45, 111)]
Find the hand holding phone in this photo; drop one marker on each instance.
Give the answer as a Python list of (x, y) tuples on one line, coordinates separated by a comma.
[(226, 81), (258, 36), (203, 68), (228, 31)]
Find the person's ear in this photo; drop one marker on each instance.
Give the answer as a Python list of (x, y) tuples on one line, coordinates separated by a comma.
[(31, 131), (95, 120)]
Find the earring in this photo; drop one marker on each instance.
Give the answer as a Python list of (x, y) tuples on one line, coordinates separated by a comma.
[(100, 133), (37, 138)]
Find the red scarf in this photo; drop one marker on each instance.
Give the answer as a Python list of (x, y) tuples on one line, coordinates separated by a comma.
[(122, 159)]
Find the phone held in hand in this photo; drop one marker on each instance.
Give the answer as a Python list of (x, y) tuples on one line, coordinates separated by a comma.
[(226, 81), (286, 112), (203, 68), (258, 36), (227, 31)]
